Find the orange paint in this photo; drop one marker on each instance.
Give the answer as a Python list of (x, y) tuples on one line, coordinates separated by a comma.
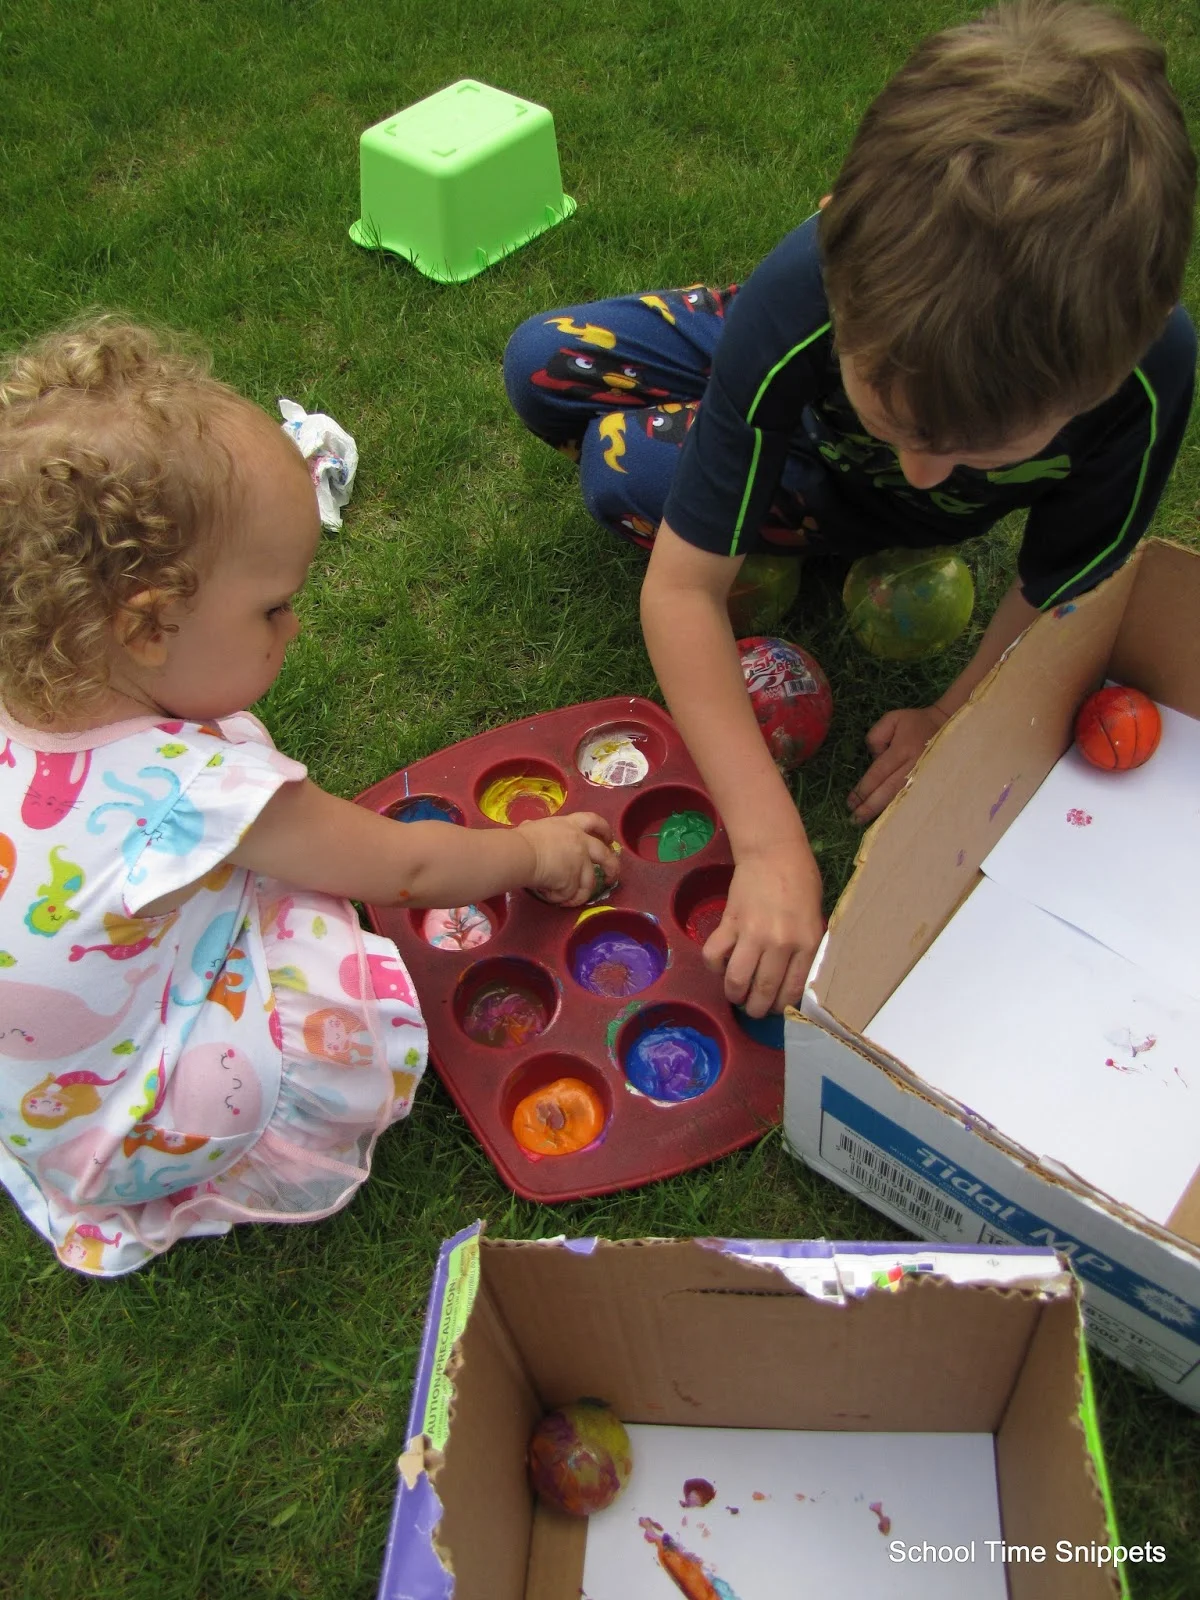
[(564, 1116), (1118, 728)]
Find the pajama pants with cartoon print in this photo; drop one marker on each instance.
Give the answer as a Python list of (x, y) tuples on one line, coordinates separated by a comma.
[(616, 385)]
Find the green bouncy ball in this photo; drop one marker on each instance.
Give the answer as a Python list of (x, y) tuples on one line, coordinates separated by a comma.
[(904, 605), (763, 593)]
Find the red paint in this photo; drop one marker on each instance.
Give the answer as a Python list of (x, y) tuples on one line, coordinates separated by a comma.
[(697, 1492), (1079, 818), (643, 1141)]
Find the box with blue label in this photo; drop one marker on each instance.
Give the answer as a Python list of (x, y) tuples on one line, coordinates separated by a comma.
[(884, 1422), (1000, 1038)]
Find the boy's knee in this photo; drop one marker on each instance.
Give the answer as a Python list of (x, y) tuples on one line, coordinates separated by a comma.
[(527, 352)]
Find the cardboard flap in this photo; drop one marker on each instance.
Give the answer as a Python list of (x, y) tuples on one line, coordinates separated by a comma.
[(1048, 1489), (975, 777), (672, 1332), (484, 1535), (1185, 1219), (1157, 648)]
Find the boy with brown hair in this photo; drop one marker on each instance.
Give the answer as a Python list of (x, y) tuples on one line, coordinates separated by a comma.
[(982, 317)]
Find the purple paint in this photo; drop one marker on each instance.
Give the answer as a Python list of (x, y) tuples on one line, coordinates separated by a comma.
[(1000, 799), (616, 965)]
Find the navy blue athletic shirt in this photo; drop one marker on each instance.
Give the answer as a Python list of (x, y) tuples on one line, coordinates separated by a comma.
[(774, 410)]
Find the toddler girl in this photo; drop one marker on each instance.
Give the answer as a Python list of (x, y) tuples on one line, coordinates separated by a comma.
[(194, 1029)]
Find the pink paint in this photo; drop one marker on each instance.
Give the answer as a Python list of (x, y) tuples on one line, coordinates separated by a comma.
[(884, 1521), (1079, 818)]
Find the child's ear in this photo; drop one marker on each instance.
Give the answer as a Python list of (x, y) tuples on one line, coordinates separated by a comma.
[(139, 631)]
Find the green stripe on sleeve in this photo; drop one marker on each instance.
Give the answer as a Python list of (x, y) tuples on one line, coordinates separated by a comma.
[(1137, 495), (754, 404)]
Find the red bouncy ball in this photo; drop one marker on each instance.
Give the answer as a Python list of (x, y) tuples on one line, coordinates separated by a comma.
[(790, 695), (1118, 728), (580, 1457)]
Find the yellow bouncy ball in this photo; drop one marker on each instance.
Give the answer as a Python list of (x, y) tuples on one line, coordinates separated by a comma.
[(904, 605)]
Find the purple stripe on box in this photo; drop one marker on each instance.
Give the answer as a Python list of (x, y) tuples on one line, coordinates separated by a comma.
[(411, 1569)]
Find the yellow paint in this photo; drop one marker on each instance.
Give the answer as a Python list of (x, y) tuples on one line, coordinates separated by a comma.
[(496, 799), (602, 338)]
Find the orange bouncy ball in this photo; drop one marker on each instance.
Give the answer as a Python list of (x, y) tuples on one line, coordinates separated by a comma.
[(559, 1119), (1118, 728), (580, 1458)]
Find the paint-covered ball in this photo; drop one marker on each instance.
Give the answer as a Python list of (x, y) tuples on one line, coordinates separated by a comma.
[(1118, 728), (904, 605), (791, 697), (763, 593), (580, 1457)]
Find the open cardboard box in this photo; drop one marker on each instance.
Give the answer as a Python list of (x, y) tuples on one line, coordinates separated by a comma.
[(869, 1121), (846, 1339)]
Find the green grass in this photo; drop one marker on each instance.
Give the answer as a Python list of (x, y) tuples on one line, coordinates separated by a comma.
[(225, 1423)]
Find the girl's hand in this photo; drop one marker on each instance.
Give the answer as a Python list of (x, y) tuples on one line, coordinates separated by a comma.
[(573, 857)]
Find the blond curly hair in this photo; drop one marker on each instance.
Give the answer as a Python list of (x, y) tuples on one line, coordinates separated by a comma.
[(114, 477)]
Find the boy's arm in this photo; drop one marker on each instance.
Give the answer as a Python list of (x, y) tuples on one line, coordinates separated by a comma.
[(899, 737), (1076, 535), (772, 922)]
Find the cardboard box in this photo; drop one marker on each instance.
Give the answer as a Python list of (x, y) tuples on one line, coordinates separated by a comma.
[(869, 1121), (845, 1339)]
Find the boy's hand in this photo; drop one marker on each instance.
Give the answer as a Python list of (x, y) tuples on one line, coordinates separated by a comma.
[(769, 934), (573, 858), (895, 741)]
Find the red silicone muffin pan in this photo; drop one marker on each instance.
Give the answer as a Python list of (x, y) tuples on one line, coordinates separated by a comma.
[(615, 996)]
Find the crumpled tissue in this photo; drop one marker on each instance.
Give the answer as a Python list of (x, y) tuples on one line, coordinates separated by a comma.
[(332, 457)]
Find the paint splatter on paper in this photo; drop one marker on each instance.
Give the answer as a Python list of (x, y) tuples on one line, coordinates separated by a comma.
[(697, 1492), (691, 1576), (884, 1522), (1078, 818)]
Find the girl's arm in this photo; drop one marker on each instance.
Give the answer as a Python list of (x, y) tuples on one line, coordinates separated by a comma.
[(316, 841)]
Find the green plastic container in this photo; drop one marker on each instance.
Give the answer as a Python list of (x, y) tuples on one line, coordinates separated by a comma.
[(459, 180)]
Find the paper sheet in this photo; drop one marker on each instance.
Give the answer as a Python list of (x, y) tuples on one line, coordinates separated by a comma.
[(1063, 1045), (1117, 854), (799, 1514)]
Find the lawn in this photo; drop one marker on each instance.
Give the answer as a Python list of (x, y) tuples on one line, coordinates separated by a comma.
[(225, 1423)]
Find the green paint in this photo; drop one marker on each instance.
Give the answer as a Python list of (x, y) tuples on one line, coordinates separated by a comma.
[(683, 833), (1095, 1446), (614, 1026)]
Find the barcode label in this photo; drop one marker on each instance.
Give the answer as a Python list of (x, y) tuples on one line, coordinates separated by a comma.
[(896, 1186)]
